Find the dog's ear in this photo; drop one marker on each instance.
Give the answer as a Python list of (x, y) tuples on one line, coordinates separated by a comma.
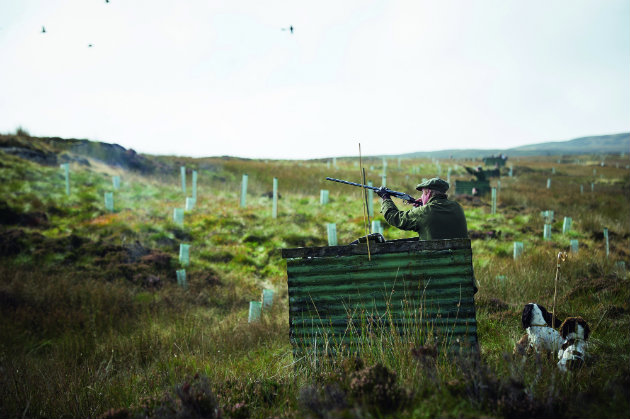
[(587, 330), (548, 317), (570, 326), (565, 328), (556, 321), (526, 318)]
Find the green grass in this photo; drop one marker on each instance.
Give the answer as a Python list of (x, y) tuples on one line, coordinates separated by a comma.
[(84, 332)]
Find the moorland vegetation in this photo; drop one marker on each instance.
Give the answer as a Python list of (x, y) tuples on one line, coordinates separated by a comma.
[(94, 324)]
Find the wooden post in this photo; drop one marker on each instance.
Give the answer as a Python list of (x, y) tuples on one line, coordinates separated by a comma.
[(370, 194)]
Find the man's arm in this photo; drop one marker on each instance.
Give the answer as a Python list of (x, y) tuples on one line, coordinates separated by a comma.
[(404, 220)]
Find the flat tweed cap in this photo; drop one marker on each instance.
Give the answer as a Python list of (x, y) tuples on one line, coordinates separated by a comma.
[(436, 184)]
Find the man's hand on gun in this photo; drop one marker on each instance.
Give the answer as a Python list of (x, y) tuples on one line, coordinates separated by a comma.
[(383, 192)]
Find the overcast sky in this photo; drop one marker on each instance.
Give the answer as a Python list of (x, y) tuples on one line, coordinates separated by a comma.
[(207, 78)]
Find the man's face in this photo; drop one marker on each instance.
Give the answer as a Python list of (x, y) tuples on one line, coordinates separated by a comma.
[(426, 194)]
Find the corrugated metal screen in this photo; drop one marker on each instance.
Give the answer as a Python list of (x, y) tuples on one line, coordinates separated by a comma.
[(491, 161), (465, 187), (419, 289)]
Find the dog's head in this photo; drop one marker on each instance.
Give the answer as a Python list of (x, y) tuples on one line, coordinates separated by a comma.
[(573, 325), (537, 315)]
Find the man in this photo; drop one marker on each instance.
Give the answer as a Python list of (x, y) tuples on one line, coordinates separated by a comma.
[(477, 173), (435, 217)]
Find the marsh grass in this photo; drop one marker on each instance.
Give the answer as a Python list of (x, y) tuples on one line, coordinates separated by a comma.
[(79, 336)]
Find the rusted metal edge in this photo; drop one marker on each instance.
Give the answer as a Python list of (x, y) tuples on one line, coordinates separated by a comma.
[(394, 246)]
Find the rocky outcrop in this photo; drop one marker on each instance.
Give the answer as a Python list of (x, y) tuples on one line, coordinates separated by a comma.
[(34, 155), (51, 151)]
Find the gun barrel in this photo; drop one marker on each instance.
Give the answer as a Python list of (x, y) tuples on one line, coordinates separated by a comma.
[(401, 195), (352, 183)]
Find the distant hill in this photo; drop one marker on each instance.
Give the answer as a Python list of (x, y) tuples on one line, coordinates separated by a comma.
[(600, 144), (54, 150)]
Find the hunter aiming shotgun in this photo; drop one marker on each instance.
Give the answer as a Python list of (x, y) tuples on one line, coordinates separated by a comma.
[(401, 195)]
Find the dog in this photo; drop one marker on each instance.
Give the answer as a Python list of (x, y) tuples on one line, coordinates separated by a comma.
[(540, 336), (572, 353)]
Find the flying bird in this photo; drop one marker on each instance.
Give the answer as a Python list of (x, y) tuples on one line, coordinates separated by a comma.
[(90, 45), (43, 29), (290, 28)]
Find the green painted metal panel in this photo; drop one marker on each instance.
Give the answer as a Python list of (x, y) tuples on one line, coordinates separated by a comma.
[(491, 161), (465, 187), (410, 289)]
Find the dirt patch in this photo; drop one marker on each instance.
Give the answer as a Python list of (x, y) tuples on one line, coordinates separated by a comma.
[(615, 312), (484, 235), (134, 262), (209, 278), (599, 235), (9, 216), (470, 200), (269, 194), (593, 285), (297, 240), (491, 305), (15, 241)]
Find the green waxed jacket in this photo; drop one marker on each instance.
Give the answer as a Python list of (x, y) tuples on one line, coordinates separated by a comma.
[(440, 218)]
